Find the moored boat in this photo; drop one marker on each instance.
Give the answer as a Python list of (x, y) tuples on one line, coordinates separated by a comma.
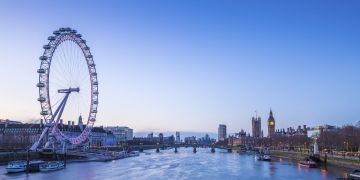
[(308, 163), (16, 166), (266, 157), (52, 166), (34, 165), (257, 156), (263, 157), (134, 153), (122, 155), (355, 174)]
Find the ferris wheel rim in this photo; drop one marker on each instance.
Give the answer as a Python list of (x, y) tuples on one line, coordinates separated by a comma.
[(60, 36)]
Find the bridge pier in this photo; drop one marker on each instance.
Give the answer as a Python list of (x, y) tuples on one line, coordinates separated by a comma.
[(27, 161), (141, 148), (157, 148), (212, 149), (194, 150), (175, 150)]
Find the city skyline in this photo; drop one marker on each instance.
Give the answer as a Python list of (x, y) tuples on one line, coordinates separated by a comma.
[(165, 67)]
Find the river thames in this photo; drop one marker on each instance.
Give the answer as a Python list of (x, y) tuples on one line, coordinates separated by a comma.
[(184, 165)]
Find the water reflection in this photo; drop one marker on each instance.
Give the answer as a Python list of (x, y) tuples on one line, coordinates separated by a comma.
[(185, 165), (324, 173)]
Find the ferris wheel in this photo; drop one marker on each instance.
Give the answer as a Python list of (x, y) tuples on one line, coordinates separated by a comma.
[(66, 67)]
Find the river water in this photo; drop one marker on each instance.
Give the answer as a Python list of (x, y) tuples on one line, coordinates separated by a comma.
[(183, 165)]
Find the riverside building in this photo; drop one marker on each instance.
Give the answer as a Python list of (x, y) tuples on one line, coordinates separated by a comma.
[(17, 135), (121, 133), (256, 127)]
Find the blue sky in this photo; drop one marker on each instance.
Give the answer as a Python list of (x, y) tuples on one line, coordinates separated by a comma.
[(191, 65)]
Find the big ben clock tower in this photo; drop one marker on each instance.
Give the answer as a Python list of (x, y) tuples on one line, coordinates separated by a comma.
[(271, 125)]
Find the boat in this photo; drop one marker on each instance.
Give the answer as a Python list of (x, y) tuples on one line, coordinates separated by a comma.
[(134, 153), (52, 166), (122, 155), (16, 166), (34, 165), (263, 157), (308, 163), (258, 157), (355, 174), (266, 157)]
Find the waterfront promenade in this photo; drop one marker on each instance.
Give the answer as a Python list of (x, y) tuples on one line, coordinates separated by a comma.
[(332, 160)]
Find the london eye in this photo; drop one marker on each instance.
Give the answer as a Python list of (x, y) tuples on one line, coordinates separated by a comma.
[(68, 87)]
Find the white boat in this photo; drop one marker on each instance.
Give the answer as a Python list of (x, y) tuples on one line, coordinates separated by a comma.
[(52, 166), (262, 157), (266, 157), (16, 166), (134, 153), (355, 174), (122, 155)]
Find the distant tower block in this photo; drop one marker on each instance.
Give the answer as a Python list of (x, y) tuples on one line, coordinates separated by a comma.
[(177, 137), (222, 132), (271, 125)]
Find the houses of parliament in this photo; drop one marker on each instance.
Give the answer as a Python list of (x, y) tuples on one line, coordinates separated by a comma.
[(256, 126)]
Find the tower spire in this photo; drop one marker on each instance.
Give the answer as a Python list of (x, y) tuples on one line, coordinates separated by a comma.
[(271, 124)]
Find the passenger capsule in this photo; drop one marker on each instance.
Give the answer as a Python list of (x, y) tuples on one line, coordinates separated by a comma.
[(51, 38), (73, 31), (56, 33), (94, 74), (87, 48), (47, 46), (67, 29), (96, 92), (95, 83), (44, 113), (78, 35), (41, 99), (41, 71), (94, 111), (89, 56), (95, 102), (62, 29), (83, 41), (92, 65), (43, 58), (40, 84)]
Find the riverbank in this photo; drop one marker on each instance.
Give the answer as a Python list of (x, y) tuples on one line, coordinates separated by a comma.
[(331, 160), (5, 157), (91, 155)]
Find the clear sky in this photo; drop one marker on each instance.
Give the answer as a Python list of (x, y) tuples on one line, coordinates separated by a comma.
[(190, 65)]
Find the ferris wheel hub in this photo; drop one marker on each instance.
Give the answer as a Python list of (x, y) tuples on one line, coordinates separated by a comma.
[(69, 90)]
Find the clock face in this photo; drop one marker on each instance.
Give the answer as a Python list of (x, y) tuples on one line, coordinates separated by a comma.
[(271, 123)]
